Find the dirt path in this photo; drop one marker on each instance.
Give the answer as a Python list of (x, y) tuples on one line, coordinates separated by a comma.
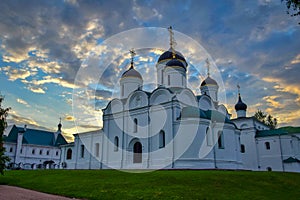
[(16, 193)]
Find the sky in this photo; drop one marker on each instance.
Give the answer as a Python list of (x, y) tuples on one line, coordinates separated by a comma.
[(43, 44)]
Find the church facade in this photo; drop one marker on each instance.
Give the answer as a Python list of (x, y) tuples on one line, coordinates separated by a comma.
[(172, 128)]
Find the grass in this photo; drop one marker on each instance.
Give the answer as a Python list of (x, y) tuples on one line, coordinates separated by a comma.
[(177, 184)]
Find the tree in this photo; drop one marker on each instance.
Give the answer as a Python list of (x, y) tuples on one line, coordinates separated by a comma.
[(293, 7), (265, 118), (3, 125)]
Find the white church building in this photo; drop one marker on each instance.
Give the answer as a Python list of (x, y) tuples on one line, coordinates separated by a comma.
[(172, 128)]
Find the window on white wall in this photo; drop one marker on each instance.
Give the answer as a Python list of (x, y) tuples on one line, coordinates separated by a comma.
[(82, 151), (116, 142), (48, 152), (242, 148), (97, 148), (41, 152), (208, 137), (162, 139), (220, 140), (33, 151), (169, 80), (135, 125), (267, 144), (56, 153), (11, 149), (69, 154)]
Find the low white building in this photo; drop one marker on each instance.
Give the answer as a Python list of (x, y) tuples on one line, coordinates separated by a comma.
[(31, 148)]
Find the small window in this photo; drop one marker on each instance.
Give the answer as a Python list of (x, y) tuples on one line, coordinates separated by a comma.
[(162, 77), (242, 148), (48, 153), (56, 153), (10, 149), (33, 151), (41, 152), (208, 137), (122, 90), (82, 151), (220, 140), (97, 149), (267, 144), (69, 154), (135, 128), (162, 140), (116, 142), (21, 151), (169, 80)]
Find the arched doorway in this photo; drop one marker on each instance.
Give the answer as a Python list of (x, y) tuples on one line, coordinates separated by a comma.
[(137, 152)]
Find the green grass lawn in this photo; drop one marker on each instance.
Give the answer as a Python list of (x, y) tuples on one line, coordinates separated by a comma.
[(177, 184)]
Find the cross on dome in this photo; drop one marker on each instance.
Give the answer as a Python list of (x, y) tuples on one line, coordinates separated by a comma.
[(208, 66), (239, 88), (172, 41), (132, 53)]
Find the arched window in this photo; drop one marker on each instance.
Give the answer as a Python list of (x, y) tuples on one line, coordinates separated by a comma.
[(220, 140), (48, 152), (267, 144), (69, 154), (97, 149), (162, 141), (116, 142), (10, 149), (135, 124), (41, 152), (33, 151), (56, 153), (242, 148), (137, 152), (208, 137), (82, 151)]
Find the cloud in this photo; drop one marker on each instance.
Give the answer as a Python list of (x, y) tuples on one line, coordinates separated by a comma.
[(15, 74), (21, 101), (17, 119), (69, 118), (37, 90), (296, 60)]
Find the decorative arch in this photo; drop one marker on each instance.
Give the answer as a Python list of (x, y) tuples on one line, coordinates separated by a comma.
[(205, 103), (187, 97), (160, 96), (223, 110), (136, 99)]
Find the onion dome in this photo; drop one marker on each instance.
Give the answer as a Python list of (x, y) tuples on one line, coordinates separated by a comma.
[(168, 55), (209, 81), (131, 72), (174, 62), (240, 105)]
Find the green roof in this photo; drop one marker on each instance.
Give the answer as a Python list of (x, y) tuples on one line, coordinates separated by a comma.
[(36, 137), (280, 131), (194, 112), (291, 160)]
